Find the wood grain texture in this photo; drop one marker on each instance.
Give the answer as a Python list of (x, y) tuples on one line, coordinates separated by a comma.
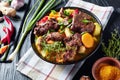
[(8, 70)]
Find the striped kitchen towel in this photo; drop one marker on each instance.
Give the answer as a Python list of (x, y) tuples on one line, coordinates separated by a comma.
[(37, 69)]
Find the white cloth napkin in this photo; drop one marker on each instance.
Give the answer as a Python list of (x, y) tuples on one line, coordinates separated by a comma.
[(37, 69)]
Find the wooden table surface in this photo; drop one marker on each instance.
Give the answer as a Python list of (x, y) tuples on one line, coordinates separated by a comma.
[(8, 70)]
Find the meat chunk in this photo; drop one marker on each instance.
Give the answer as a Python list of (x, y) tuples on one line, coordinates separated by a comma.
[(69, 55), (79, 26), (41, 29), (89, 28), (55, 36), (75, 40), (76, 23)]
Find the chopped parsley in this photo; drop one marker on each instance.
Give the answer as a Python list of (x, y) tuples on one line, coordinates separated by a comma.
[(57, 46)]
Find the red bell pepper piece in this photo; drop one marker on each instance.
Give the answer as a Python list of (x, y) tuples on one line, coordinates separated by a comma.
[(76, 11), (43, 20)]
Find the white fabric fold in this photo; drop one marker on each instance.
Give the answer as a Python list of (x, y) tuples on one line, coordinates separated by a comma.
[(37, 69)]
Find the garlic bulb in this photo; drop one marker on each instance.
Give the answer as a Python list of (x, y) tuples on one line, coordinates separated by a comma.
[(17, 4)]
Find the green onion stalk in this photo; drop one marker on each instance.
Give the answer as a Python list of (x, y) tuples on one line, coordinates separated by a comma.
[(24, 24), (36, 16)]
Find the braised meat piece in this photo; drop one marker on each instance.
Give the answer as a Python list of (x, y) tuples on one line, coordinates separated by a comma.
[(79, 26), (40, 30), (89, 28), (75, 40), (43, 28), (69, 55), (55, 36)]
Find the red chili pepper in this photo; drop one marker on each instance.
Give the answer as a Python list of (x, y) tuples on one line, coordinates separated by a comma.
[(8, 35), (10, 24), (43, 20), (9, 31)]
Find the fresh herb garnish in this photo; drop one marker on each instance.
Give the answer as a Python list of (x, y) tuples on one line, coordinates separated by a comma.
[(62, 29), (113, 48), (86, 21), (53, 11), (51, 30), (69, 20), (60, 23), (57, 46), (67, 13)]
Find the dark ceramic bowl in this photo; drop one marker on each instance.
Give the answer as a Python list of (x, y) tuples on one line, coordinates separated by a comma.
[(101, 62), (65, 63)]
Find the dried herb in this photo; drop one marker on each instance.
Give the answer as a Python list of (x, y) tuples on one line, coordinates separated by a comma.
[(113, 48)]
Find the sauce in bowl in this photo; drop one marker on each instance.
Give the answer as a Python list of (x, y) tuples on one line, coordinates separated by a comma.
[(67, 35)]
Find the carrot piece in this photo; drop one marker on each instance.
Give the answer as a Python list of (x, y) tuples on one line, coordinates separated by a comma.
[(87, 40), (3, 49)]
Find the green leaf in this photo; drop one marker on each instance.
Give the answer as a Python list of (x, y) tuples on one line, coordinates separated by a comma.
[(53, 11), (66, 13), (86, 21)]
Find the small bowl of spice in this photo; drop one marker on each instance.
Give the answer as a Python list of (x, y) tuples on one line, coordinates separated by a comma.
[(106, 68)]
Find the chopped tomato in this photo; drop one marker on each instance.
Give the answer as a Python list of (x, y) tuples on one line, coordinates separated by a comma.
[(43, 20), (76, 11)]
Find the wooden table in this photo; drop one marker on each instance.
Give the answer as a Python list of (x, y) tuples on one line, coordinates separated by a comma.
[(8, 70)]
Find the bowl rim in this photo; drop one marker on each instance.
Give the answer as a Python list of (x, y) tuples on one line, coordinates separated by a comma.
[(72, 62), (103, 59)]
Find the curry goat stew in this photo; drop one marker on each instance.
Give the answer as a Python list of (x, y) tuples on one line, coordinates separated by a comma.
[(66, 36)]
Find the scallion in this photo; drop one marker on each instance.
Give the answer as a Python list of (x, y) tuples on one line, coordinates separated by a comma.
[(86, 21), (40, 5), (39, 15)]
